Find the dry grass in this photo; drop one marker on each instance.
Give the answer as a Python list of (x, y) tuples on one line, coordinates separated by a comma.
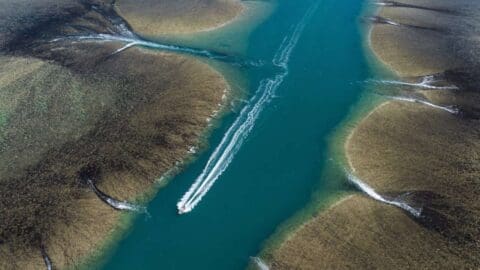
[(428, 157), (403, 148), (400, 148), (360, 233), (154, 18), (69, 107), (143, 111)]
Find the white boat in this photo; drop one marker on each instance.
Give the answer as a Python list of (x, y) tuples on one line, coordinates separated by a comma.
[(183, 210)]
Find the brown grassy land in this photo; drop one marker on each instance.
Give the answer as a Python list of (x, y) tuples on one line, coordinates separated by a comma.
[(359, 233), (131, 127), (427, 157), (71, 109), (153, 18)]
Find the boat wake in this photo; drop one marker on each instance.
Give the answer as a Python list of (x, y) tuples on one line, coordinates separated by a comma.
[(369, 191), (260, 264), (448, 109), (244, 123), (116, 204), (428, 82)]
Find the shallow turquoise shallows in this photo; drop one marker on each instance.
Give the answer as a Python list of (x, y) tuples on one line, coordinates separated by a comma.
[(279, 165)]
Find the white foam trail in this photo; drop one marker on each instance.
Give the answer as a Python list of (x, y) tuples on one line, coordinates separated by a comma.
[(424, 102), (374, 195), (261, 265), (116, 204), (244, 123), (426, 83)]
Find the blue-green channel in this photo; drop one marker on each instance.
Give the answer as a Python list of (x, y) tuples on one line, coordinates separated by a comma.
[(280, 164)]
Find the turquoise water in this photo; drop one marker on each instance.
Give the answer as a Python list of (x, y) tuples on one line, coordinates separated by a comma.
[(280, 163)]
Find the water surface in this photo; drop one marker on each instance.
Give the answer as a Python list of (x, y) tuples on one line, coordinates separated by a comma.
[(280, 163)]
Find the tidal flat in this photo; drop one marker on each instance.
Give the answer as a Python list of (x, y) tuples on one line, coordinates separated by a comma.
[(77, 106)]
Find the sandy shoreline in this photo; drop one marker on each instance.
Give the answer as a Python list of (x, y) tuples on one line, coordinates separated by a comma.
[(421, 154)]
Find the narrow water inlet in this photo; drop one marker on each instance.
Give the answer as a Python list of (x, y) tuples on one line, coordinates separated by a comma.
[(369, 191), (46, 258), (116, 204), (394, 4), (449, 109), (126, 47), (259, 263), (119, 31), (382, 20), (386, 21), (427, 83), (133, 40)]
